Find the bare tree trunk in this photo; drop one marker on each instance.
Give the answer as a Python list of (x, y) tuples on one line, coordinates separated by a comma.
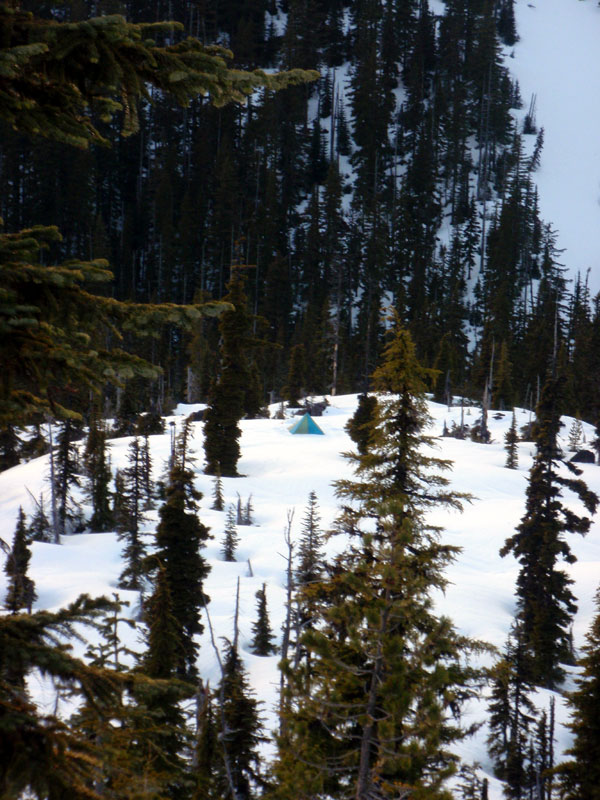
[(287, 625), (54, 509)]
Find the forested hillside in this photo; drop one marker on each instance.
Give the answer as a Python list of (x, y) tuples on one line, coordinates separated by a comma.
[(404, 176)]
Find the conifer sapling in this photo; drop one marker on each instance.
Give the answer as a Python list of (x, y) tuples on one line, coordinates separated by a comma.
[(511, 438), (230, 539), (262, 643), (218, 499)]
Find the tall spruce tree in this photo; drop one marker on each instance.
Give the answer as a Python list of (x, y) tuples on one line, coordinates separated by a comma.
[(179, 537), (228, 396), (379, 720), (21, 589), (575, 434), (545, 603), (579, 777)]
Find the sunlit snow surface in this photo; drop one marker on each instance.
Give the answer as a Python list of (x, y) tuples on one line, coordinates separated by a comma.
[(558, 59), (280, 470)]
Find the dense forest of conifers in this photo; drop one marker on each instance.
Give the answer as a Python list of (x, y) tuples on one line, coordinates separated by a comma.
[(402, 177)]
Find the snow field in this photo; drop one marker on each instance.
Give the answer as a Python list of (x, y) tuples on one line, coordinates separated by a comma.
[(279, 472)]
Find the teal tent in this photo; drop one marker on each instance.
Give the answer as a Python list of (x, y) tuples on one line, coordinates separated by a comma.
[(306, 424)]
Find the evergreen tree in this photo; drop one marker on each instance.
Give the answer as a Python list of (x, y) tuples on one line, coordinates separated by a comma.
[(507, 27), (511, 438), (376, 721), (230, 538), (579, 777), (163, 738), (310, 554), (129, 516), (110, 650), (9, 446), (239, 730), (545, 603), (66, 477), (343, 139), (218, 500), (179, 537), (163, 644), (310, 567), (182, 453), (511, 715), (21, 589), (541, 759), (502, 394), (99, 475), (40, 529), (262, 641), (228, 396), (575, 434)]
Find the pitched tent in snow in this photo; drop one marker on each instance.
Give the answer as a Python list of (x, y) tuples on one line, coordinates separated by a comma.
[(306, 424)]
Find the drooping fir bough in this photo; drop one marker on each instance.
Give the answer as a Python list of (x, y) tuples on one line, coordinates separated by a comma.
[(56, 73)]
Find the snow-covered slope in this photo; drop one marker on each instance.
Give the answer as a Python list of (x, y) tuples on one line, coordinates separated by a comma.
[(558, 60), (280, 470)]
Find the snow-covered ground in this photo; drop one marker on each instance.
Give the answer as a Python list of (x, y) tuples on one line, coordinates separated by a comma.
[(558, 60), (279, 472)]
